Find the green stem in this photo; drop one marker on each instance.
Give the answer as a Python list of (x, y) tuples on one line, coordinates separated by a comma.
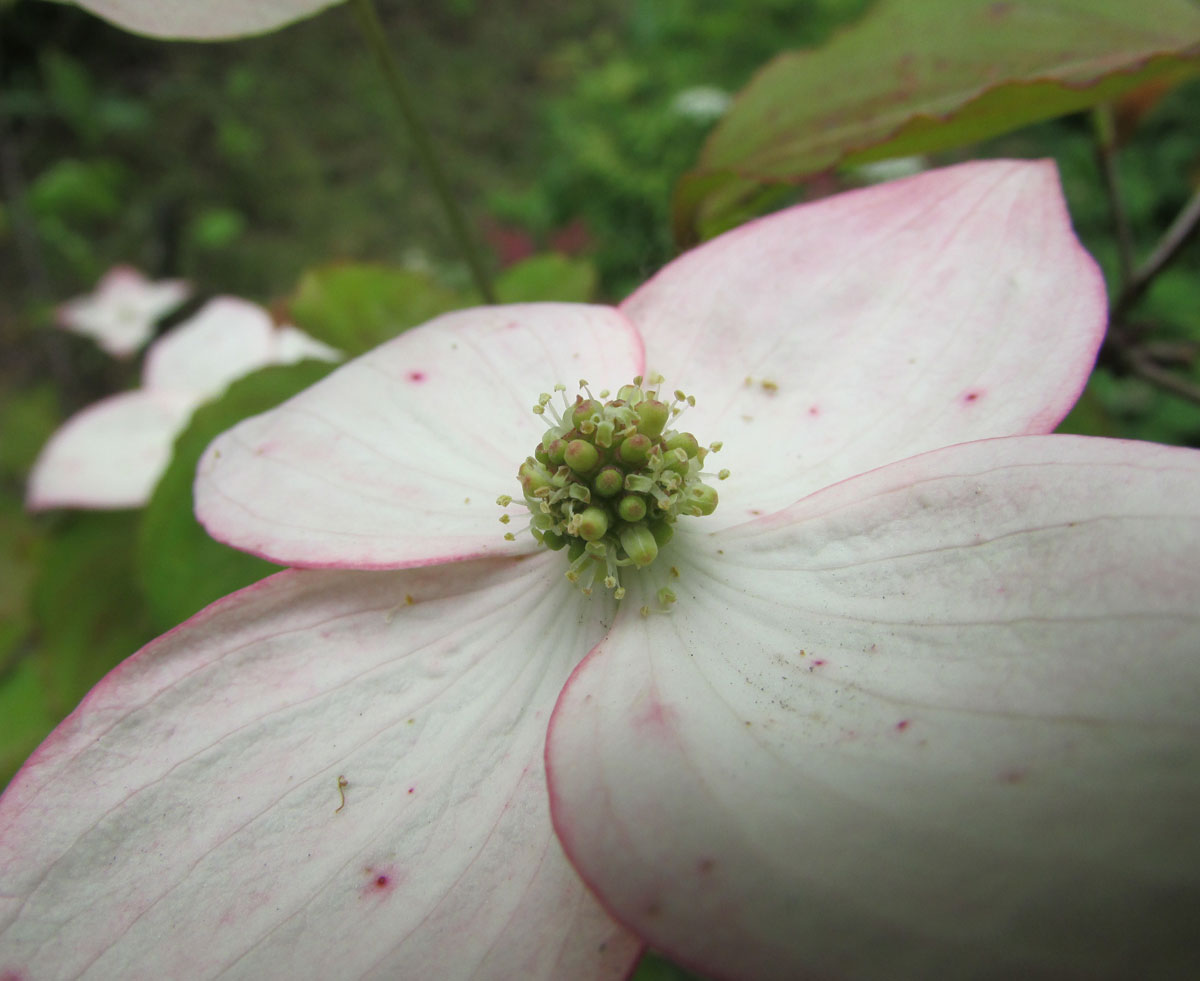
[(368, 21), (1105, 129)]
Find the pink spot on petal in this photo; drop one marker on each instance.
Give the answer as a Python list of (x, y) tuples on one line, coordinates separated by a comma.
[(972, 396), (416, 376), (411, 789), (380, 881), (814, 410), (902, 725), (705, 866), (11, 975)]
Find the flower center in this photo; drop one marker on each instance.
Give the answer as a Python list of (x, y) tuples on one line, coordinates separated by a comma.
[(610, 478)]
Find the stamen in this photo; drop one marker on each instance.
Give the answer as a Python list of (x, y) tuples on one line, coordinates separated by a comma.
[(610, 478)]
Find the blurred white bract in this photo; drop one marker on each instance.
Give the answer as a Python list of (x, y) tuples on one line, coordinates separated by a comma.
[(203, 19), (121, 314), (111, 454)]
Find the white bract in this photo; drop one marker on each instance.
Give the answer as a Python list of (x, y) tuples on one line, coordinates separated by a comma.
[(203, 20), (925, 705), (120, 315), (111, 454)]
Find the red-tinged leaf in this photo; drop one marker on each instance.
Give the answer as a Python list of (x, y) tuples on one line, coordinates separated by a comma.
[(917, 76)]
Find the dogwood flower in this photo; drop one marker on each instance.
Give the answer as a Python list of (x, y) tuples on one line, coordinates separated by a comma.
[(120, 315), (111, 454), (924, 705)]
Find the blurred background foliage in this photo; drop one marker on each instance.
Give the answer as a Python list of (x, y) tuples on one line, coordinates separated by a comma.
[(272, 168)]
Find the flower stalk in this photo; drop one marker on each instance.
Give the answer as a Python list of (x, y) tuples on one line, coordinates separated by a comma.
[(368, 21)]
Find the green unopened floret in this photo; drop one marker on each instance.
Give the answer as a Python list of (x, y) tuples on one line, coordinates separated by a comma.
[(610, 478)]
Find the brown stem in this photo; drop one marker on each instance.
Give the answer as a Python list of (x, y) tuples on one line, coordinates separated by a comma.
[(1169, 246), (1144, 367)]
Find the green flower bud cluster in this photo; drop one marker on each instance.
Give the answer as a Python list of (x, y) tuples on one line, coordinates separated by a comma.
[(610, 478)]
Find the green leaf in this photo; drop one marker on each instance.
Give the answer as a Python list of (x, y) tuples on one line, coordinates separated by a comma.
[(77, 191), (18, 545), (71, 92), (547, 277), (216, 228), (26, 714), (357, 307), (1089, 417), (703, 205), (27, 418), (918, 76), (653, 967), (88, 611), (180, 567)]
